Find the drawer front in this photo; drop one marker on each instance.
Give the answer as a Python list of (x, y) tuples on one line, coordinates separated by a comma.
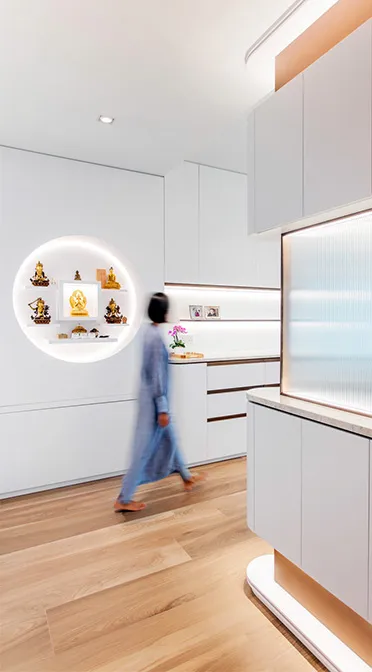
[(229, 376), (227, 438), (272, 373), (228, 403)]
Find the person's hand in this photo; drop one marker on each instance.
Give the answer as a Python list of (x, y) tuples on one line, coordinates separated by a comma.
[(163, 419)]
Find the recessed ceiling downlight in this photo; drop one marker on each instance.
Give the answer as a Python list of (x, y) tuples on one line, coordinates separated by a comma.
[(106, 120)]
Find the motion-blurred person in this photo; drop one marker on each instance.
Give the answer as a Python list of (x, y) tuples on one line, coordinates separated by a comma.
[(156, 454)]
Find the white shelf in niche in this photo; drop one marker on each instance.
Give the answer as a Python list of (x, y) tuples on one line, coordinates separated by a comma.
[(37, 326), (81, 341), (124, 324), (38, 288), (120, 291)]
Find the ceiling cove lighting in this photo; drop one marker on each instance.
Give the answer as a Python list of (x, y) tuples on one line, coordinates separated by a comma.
[(106, 120)]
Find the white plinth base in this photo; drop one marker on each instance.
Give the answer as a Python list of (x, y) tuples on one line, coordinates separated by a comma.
[(333, 653)]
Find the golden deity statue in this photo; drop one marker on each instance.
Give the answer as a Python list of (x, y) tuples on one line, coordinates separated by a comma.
[(39, 279), (78, 303), (111, 282), (41, 311), (113, 314), (77, 276)]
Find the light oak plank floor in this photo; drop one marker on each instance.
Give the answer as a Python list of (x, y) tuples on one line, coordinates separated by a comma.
[(86, 590)]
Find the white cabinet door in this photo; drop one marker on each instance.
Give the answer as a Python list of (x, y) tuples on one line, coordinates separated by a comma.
[(227, 438), (277, 481), (335, 512), (337, 125), (189, 408), (223, 227), (182, 224), (278, 157), (72, 445), (250, 173)]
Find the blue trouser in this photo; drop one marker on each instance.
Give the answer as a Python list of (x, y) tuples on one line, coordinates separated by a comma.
[(134, 477)]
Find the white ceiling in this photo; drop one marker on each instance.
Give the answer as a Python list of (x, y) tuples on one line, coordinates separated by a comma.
[(171, 72)]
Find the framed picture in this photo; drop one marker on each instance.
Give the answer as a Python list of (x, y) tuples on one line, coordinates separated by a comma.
[(196, 312), (212, 313)]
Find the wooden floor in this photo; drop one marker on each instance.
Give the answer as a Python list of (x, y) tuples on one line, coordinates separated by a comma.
[(85, 589)]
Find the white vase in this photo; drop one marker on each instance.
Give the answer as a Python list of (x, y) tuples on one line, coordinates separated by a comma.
[(178, 351)]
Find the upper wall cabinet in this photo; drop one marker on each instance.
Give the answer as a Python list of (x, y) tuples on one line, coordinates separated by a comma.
[(278, 158), (182, 224), (337, 125), (223, 227)]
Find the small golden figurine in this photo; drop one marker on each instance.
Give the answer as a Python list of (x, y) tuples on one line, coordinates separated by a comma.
[(78, 302), (39, 279), (41, 311), (111, 282), (113, 314), (77, 276), (79, 332)]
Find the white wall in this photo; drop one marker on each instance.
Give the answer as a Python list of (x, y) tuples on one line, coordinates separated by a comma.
[(42, 198)]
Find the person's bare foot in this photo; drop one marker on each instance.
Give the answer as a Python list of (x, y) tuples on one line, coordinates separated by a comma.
[(128, 506), (195, 479)]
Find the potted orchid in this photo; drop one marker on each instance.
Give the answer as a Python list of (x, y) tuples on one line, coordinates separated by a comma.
[(176, 333)]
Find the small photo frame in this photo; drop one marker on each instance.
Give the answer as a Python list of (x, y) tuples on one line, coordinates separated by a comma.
[(196, 312), (212, 313)]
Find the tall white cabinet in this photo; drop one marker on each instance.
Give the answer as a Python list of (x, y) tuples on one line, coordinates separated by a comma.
[(278, 158), (223, 227), (309, 144), (182, 224), (337, 124), (207, 238)]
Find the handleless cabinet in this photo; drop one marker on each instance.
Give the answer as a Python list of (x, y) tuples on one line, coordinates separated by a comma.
[(182, 224), (223, 227), (278, 158), (337, 124), (335, 515)]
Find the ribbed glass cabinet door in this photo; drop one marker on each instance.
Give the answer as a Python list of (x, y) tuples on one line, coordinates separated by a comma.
[(327, 313)]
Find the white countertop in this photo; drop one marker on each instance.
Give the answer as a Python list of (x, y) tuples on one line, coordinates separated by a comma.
[(351, 422), (229, 358)]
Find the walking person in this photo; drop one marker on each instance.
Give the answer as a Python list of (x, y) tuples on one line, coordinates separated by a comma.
[(156, 454)]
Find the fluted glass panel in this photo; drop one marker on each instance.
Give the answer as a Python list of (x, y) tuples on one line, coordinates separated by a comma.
[(327, 313)]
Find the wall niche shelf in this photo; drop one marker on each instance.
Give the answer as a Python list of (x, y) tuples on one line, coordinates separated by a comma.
[(81, 341), (60, 258), (213, 288)]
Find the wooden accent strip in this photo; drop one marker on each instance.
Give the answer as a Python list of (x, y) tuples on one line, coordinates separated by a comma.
[(227, 417), (188, 319), (234, 362), (331, 28), (183, 285), (242, 389), (348, 626)]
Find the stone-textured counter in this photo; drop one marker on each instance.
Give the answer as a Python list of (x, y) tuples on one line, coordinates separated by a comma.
[(350, 422)]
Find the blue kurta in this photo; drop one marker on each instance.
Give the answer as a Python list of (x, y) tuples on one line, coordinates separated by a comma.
[(155, 450)]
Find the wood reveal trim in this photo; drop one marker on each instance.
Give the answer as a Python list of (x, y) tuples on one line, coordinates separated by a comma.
[(331, 28), (348, 626)]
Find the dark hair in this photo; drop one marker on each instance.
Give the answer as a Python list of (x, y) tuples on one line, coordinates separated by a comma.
[(158, 308)]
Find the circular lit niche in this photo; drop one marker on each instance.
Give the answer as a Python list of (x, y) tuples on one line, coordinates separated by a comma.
[(61, 258)]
